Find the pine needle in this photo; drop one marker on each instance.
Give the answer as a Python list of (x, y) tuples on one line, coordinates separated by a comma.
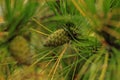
[(41, 25), (39, 32), (105, 65), (54, 68)]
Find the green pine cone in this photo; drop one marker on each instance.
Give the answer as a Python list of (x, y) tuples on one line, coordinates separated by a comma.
[(20, 50), (73, 30), (58, 38)]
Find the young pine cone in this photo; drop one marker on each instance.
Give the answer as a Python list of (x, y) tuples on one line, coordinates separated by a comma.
[(58, 38), (20, 50)]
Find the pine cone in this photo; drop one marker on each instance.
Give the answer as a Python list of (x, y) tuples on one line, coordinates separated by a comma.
[(58, 38), (73, 31), (20, 50)]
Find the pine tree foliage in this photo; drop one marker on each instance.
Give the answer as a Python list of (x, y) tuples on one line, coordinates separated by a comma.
[(82, 39)]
